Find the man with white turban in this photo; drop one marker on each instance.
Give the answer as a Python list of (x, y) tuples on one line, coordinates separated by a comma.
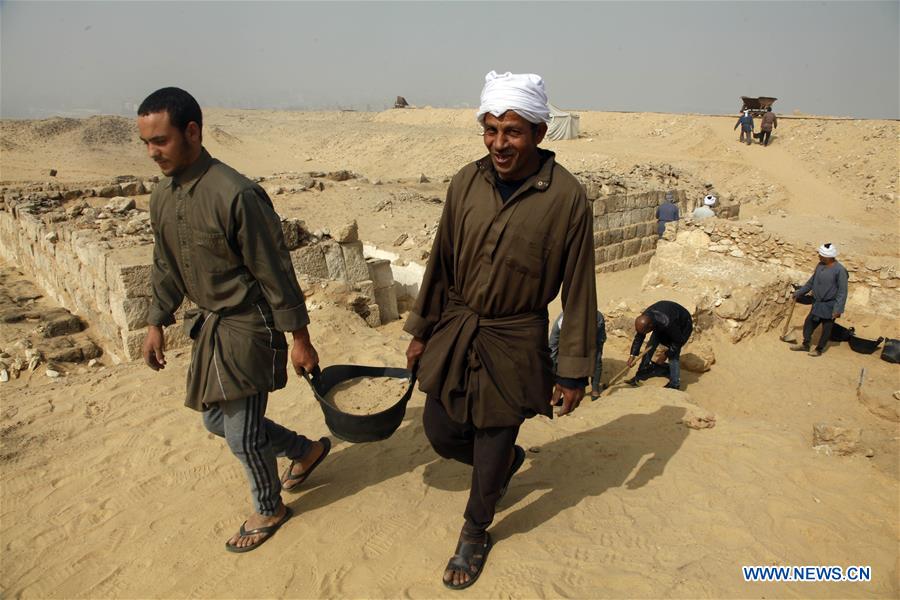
[(746, 123), (516, 227), (828, 285), (705, 211)]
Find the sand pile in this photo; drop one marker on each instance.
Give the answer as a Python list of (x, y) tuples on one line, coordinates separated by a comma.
[(367, 395)]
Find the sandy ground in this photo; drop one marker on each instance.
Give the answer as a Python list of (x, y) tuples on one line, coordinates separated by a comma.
[(111, 488)]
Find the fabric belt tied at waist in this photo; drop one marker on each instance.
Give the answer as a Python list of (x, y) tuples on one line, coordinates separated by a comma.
[(463, 342)]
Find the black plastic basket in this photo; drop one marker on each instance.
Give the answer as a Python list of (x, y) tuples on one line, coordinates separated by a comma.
[(359, 428), (864, 346)]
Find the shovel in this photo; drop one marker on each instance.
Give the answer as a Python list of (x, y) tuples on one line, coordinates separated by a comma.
[(792, 338), (622, 373)]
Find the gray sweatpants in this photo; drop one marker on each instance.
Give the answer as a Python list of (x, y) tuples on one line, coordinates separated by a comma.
[(256, 441)]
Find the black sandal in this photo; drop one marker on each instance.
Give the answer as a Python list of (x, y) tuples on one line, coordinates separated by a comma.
[(296, 480), (266, 531), (468, 556)]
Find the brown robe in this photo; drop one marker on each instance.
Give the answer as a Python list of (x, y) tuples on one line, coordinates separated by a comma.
[(219, 242), (482, 306)]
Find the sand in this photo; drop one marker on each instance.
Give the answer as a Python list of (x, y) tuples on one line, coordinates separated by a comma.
[(367, 395), (109, 487)]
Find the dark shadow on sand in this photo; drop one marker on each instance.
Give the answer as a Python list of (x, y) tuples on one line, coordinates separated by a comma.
[(595, 461), (401, 453)]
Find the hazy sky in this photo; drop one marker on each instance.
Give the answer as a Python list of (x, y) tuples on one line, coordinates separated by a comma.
[(836, 58)]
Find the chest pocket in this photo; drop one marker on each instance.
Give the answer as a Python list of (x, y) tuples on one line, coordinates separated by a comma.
[(528, 252), (213, 253)]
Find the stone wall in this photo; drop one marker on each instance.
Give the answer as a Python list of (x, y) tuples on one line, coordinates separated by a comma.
[(625, 225), (96, 262)]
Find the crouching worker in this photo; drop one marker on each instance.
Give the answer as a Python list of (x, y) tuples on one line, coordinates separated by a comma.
[(669, 324)]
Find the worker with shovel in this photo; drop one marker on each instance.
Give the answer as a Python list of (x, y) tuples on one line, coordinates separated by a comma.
[(669, 324), (828, 285)]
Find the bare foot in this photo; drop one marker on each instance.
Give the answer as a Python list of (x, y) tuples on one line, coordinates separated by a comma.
[(255, 521), (293, 477)]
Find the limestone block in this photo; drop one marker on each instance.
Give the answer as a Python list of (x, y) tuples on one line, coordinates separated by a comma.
[(600, 207), (600, 256), (380, 273), (334, 259), (108, 191), (293, 232), (310, 260), (631, 248), (129, 313), (599, 239), (647, 243), (348, 233), (132, 280), (614, 252), (355, 261), (601, 222), (386, 299), (842, 440), (365, 287), (373, 319), (616, 219), (133, 188), (615, 235)]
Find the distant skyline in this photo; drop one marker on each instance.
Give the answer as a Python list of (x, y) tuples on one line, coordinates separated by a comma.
[(82, 58)]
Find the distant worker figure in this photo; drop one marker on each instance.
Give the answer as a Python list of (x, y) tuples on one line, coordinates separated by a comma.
[(768, 123), (745, 121), (705, 211), (671, 325), (828, 285), (667, 212), (596, 386)]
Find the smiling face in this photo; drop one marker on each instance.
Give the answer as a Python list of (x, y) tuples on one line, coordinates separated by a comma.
[(169, 147), (512, 142)]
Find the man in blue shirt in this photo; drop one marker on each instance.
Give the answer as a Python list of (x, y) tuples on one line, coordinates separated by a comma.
[(746, 123), (667, 212), (828, 285), (596, 386)]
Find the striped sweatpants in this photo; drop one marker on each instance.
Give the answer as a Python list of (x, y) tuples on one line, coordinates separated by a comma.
[(256, 441)]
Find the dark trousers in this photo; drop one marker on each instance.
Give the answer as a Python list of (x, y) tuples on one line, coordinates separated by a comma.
[(809, 326), (646, 370), (746, 134), (764, 137), (487, 450)]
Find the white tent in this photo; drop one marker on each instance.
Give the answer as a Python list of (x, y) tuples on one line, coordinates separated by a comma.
[(563, 125)]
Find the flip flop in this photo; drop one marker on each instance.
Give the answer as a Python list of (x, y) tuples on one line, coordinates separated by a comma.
[(296, 480), (267, 531), (518, 461), (468, 555)]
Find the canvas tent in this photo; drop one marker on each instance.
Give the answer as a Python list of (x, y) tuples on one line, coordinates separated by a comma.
[(563, 125)]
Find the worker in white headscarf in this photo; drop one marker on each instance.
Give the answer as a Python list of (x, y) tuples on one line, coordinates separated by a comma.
[(828, 286), (705, 210), (745, 121), (516, 228)]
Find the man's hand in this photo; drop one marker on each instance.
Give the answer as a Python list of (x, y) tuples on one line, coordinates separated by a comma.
[(414, 352), (570, 398), (630, 362), (154, 348), (304, 357), (836, 316)]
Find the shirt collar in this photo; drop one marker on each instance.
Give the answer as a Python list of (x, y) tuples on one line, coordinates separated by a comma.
[(539, 181), (190, 176)]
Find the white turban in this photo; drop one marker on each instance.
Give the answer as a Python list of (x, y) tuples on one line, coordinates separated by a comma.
[(709, 200), (828, 250), (522, 93)]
